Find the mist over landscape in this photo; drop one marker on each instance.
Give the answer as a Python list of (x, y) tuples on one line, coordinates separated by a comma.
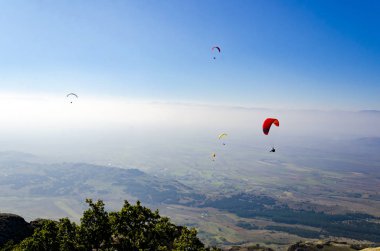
[(160, 153), (46, 125)]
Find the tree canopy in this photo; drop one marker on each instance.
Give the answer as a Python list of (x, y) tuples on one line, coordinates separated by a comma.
[(133, 228)]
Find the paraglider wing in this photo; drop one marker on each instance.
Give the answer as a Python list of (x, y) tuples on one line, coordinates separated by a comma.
[(216, 47), (213, 156), (71, 97), (222, 135), (268, 123), (71, 94)]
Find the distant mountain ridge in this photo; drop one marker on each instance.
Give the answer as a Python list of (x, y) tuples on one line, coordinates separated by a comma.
[(369, 141), (370, 111)]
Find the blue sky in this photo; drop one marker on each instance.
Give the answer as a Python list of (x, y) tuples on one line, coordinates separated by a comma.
[(296, 54)]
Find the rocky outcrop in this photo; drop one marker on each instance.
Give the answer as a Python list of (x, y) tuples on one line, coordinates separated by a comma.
[(13, 228)]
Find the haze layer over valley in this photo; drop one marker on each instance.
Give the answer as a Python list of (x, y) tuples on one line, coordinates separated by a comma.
[(58, 154)]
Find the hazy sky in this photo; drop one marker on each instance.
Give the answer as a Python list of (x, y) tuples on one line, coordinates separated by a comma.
[(99, 130), (290, 54)]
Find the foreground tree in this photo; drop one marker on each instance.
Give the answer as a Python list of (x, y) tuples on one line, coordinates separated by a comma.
[(188, 241), (133, 228), (43, 239), (138, 228), (67, 235), (95, 229)]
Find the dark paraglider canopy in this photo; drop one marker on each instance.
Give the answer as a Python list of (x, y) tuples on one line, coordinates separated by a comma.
[(71, 96), (215, 48)]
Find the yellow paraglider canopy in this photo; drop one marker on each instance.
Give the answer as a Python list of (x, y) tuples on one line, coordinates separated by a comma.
[(222, 135)]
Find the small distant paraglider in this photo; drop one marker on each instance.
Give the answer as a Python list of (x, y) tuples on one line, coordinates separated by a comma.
[(214, 50), (222, 136), (213, 156), (71, 96), (266, 128)]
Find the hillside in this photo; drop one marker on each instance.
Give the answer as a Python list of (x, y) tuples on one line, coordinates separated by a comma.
[(226, 217)]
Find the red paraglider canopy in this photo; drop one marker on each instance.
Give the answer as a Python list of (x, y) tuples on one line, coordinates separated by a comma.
[(268, 123)]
